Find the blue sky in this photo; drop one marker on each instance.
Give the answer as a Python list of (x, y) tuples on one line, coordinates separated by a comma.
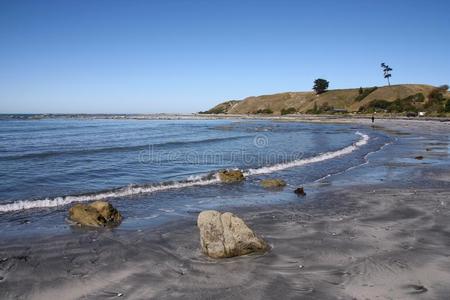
[(109, 56)]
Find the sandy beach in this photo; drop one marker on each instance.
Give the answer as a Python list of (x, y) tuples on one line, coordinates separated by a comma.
[(380, 230), (209, 150)]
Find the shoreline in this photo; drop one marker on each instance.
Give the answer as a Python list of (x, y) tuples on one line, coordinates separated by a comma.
[(378, 230), (197, 116)]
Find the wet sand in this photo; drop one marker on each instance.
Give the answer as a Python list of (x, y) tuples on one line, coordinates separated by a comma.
[(377, 231)]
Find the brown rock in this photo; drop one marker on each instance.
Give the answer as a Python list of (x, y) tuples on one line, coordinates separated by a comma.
[(226, 235), (97, 214), (420, 157), (229, 176), (107, 211), (273, 183), (300, 191)]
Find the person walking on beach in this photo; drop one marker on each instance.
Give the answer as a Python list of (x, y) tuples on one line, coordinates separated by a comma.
[(373, 119)]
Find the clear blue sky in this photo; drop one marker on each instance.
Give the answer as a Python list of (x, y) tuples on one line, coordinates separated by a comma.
[(185, 56)]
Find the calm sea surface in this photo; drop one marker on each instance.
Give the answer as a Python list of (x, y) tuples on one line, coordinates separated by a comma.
[(157, 170)]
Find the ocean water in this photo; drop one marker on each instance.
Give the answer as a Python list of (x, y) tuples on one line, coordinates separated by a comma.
[(155, 171)]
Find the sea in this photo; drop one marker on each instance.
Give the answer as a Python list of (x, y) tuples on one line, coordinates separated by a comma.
[(158, 171)]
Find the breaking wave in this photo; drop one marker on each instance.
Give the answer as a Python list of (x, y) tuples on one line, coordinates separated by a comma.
[(189, 182), (321, 157)]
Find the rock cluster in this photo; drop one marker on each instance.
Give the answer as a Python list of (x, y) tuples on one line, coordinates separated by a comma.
[(225, 235)]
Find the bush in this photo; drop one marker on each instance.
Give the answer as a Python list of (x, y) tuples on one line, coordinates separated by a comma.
[(267, 111), (289, 110), (436, 100), (401, 105), (363, 93), (437, 94), (447, 106), (379, 104), (398, 106), (419, 97)]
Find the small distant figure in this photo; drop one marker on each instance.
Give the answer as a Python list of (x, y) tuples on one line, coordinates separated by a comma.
[(373, 119)]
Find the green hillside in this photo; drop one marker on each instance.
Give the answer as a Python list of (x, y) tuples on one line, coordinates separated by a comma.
[(394, 99)]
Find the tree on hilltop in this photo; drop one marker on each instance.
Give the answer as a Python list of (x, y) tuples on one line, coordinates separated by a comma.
[(387, 72), (320, 86)]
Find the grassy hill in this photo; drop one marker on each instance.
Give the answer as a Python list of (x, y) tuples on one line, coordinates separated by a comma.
[(406, 96)]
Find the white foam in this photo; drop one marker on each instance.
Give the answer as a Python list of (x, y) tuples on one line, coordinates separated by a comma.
[(191, 181), (123, 192), (301, 162), (366, 161)]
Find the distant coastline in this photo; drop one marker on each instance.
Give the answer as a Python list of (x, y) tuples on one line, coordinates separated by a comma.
[(197, 116), (418, 101)]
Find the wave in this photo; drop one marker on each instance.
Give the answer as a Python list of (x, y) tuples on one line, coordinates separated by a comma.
[(196, 180), (115, 149), (120, 192), (49, 128), (321, 157), (366, 161)]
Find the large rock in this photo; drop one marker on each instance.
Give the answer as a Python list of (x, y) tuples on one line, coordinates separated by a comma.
[(229, 176), (97, 214), (225, 235), (273, 183)]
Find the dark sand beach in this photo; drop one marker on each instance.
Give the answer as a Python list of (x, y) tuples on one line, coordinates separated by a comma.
[(377, 231)]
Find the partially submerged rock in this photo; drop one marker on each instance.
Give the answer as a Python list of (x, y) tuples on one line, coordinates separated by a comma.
[(300, 191), (97, 214), (419, 157), (225, 235), (273, 183), (229, 176)]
